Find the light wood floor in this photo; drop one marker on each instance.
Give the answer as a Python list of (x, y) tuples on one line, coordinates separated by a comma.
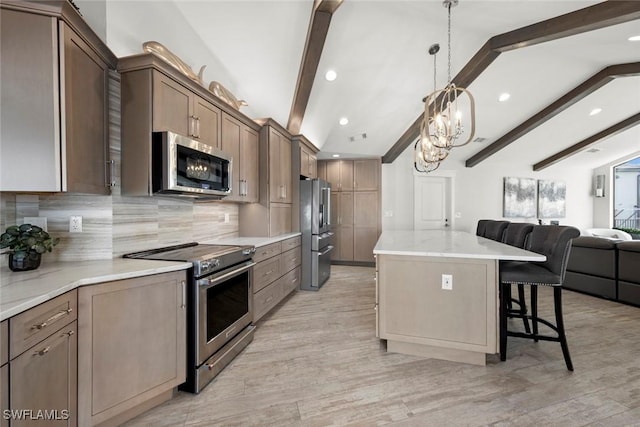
[(315, 361)]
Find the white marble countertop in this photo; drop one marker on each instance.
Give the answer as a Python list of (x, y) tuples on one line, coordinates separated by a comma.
[(255, 241), (20, 291), (452, 244)]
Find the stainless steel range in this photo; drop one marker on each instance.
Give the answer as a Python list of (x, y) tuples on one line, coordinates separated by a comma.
[(219, 305)]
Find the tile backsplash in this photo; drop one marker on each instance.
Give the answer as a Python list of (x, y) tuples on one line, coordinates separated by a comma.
[(114, 225)]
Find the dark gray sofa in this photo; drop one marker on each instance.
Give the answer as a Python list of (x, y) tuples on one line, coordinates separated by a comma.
[(629, 271), (592, 266)]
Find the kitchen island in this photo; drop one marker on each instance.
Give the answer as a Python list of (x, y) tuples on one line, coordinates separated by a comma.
[(437, 293)]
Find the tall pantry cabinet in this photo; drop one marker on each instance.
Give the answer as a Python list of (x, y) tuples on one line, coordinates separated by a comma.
[(272, 216), (355, 207)]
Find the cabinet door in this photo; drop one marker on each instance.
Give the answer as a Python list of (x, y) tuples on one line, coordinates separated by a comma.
[(4, 394), (333, 174), (132, 344), (285, 169), (171, 106), (344, 243), (276, 190), (30, 110), (231, 134), (249, 164), (366, 175), (364, 240), (346, 175), (85, 116), (365, 208), (322, 170), (45, 378), (207, 122), (313, 161), (304, 162), (345, 213)]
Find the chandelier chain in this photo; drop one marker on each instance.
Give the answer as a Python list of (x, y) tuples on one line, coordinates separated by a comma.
[(449, 44)]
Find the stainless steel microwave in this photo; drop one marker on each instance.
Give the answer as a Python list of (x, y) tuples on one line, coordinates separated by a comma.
[(183, 166)]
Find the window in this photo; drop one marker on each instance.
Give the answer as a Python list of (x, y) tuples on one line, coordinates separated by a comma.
[(626, 195)]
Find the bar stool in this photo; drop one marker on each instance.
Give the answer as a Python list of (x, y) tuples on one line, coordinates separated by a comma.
[(494, 230), (517, 234), (555, 243), (481, 227)]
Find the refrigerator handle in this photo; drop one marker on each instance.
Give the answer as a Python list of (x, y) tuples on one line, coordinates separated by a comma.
[(328, 190)]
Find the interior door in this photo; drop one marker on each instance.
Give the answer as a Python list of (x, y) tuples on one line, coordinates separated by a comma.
[(432, 203)]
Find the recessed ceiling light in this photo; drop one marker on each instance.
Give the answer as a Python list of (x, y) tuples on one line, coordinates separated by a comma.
[(344, 121), (331, 75), (336, 155), (595, 111), (504, 96), (634, 39)]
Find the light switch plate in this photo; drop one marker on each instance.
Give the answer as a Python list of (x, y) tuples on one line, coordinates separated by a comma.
[(447, 282)]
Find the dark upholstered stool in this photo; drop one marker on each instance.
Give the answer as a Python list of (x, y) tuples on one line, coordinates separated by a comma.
[(555, 243), (482, 225), (517, 234), (494, 230)]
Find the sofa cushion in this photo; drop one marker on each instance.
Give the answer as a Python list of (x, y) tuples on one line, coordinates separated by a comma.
[(594, 242), (594, 256), (629, 261)]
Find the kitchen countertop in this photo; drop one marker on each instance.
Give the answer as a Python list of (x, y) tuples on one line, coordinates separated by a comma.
[(20, 291), (451, 244), (255, 241)]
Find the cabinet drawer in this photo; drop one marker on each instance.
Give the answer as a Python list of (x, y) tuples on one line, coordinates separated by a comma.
[(267, 251), (291, 243), (4, 342), (265, 273), (266, 299), (291, 281), (290, 260), (36, 324)]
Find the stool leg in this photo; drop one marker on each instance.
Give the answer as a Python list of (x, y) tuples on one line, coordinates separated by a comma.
[(557, 302), (534, 311), (503, 320), (523, 308)]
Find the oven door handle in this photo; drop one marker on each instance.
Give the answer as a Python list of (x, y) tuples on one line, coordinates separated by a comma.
[(329, 249), (212, 282)]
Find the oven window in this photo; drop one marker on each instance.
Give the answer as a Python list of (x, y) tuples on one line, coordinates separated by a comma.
[(226, 303)]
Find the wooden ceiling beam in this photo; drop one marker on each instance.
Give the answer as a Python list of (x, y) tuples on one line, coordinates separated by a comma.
[(316, 36), (590, 18), (586, 143), (584, 89)]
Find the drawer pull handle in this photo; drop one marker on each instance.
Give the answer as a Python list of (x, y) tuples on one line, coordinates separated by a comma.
[(68, 334), (52, 319), (269, 299), (42, 352)]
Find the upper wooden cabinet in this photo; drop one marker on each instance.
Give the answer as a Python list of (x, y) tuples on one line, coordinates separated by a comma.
[(157, 97), (340, 175), (54, 95), (308, 160), (280, 184), (274, 214), (177, 109), (241, 143)]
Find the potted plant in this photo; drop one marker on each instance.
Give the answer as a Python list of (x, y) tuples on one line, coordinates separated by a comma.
[(26, 245), (635, 232)]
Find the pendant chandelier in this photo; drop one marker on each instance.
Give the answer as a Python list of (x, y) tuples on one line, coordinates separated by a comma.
[(443, 124)]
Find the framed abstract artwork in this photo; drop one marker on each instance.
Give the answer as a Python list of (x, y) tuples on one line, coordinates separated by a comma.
[(519, 198), (551, 198)]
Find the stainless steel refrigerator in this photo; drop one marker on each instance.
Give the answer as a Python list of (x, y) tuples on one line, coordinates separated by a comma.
[(317, 238)]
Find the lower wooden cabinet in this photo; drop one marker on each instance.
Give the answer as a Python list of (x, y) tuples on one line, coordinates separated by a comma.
[(4, 394), (276, 274), (40, 380), (132, 348), (44, 378)]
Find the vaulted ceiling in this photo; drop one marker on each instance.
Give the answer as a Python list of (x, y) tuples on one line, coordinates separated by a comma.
[(379, 50)]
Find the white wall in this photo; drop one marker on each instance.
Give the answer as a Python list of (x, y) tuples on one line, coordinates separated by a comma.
[(478, 192)]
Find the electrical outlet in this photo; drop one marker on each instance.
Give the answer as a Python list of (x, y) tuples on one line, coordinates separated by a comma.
[(226, 217), (75, 224), (447, 282), (388, 214)]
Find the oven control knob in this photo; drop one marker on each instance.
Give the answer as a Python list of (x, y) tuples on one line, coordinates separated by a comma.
[(205, 265), (215, 263)]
